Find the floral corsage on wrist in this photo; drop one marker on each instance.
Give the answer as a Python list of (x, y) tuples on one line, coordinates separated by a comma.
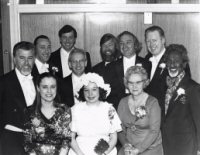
[(181, 93), (140, 112), (162, 66), (101, 147)]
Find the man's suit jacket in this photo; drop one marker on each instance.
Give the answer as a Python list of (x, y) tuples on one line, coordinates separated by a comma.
[(55, 59), (69, 95), (13, 111), (12, 100), (100, 69), (157, 86), (181, 126), (115, 77)]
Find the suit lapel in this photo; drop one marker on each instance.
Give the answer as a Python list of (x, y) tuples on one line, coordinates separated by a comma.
[(20, 98), (174, 99), (120, 70)]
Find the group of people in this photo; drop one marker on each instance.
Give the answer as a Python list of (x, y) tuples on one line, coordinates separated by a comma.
[(56, 103)]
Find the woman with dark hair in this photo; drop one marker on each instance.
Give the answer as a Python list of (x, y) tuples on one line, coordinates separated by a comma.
[(95, 122), (47, 131)]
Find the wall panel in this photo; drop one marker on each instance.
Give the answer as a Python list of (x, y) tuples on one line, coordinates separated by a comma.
[(33, 25), (182, 28)]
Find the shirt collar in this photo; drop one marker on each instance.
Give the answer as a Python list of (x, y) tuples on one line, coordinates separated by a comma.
[(77, 78), (158, 57), (62, 50), (22, 77), (125, 59)]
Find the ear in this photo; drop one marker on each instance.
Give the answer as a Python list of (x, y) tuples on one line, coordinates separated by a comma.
[(85, 62), (70, 65), (163, 40)]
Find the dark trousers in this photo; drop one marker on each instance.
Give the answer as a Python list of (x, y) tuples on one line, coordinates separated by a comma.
[(12, 143)]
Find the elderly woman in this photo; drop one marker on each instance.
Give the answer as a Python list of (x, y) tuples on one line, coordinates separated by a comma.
[(181, 128), (140, 115), (95, 123)]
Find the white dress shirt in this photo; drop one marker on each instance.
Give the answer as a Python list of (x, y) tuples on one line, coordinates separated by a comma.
[(154, 61), (128, 62), (42, 67), (28, 87), (64, 61), (77, 84)]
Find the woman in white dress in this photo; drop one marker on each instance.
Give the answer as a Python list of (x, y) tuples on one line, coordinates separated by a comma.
[(94, 120)]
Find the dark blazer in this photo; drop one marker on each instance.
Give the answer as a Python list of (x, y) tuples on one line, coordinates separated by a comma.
[(55, 59), (69, 95), (13, 111), (100, 69), (157, 86), (115, 77), (181, 126)]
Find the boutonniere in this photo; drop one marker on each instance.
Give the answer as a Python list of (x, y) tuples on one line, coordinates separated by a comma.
[(162, 66), (180, 92), (54, 69), (140, 112), (139, 64)]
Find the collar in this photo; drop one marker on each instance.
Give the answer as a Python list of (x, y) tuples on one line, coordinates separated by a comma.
[(157, 57), (63, 51), (39, 64), (77, 78), (22, 77), (132, 59)]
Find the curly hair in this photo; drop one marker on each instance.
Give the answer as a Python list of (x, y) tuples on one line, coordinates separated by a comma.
[(102, 94), (137, 44), (136, 70), (177, 49)]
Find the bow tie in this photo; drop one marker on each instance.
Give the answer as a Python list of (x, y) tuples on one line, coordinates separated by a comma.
[(28, 77), (45, 65), (153, 59)]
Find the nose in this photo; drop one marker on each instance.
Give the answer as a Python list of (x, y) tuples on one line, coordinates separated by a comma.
[(49, 90)]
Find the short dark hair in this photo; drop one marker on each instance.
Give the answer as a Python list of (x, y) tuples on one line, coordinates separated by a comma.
[(102, 94), (155, 28), (25, 45), (67, 29), (40, 37), (177, 48), (137, 44)]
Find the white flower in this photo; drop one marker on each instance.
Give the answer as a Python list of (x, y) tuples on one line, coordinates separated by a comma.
[(180, 92), (95, 78), (162, 65), (39, 129), (36, 122), (140, 65), (140, 112), (55, 69)]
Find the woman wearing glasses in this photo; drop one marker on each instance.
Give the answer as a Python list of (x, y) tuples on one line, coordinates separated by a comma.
[(140, 115)]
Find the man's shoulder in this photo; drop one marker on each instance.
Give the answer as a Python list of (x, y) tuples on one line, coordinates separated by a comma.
[(56, 52)]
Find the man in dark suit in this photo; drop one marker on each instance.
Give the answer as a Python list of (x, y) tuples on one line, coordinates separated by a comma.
[(130, 48), (109, 50), (59, 58), (181, 126), (155, 42), (17, 93), (43, 51), (77, 63)]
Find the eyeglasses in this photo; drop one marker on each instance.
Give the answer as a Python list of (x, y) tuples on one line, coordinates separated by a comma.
[(135, 83)]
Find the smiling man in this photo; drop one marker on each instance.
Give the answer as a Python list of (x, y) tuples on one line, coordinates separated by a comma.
[(77, 63), (181, 126), (67, 36), (109, 50), (17, 93)]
